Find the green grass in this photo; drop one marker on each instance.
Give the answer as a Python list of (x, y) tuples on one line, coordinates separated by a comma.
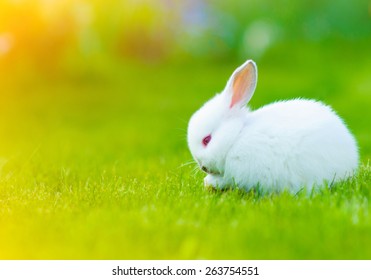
[(92, 166)]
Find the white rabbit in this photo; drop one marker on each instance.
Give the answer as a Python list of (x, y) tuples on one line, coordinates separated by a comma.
[(291, 144)]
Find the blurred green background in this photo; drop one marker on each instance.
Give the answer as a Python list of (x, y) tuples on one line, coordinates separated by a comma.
[(95, 97), (59, 35)]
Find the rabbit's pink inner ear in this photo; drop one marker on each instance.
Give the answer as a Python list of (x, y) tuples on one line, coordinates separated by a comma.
[(243, 85)]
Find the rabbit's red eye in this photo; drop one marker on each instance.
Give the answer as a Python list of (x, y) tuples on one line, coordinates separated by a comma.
[(206, 140)]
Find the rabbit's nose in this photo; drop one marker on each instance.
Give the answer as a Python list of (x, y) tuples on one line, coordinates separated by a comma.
[(204, 169)]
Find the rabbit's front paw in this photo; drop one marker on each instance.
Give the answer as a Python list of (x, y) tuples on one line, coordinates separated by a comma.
[(213, 181)]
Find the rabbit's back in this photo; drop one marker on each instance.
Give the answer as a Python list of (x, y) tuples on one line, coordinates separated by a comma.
[(291, 144)]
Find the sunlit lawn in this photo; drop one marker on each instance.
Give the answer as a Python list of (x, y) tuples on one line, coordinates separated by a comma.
[(93, 165)]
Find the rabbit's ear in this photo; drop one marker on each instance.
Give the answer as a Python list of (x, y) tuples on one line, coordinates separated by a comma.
[(241, 85)]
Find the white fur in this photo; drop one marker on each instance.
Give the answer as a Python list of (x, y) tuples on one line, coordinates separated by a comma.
[(284, 145)]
